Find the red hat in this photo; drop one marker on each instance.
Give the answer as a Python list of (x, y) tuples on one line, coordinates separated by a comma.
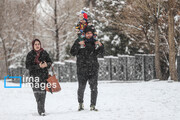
[(85, 16)]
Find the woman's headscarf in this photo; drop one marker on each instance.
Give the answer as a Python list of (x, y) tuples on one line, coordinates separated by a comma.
[(36, 60)]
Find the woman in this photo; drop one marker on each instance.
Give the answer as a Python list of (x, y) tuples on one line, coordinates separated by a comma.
[(38, 62)]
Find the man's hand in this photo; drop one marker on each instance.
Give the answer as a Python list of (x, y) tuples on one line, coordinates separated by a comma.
[(97, 42), (43, 65), (82, 43)]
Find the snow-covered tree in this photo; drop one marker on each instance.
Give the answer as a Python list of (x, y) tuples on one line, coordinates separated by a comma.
[(15, 29), (141, 27), (105, 16)]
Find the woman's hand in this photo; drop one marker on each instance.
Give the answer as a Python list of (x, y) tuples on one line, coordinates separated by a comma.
[(43, 65)]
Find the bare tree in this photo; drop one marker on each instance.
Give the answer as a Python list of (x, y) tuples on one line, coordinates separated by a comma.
[(172, 49), (59, 18), (16, 19), (146, 14)]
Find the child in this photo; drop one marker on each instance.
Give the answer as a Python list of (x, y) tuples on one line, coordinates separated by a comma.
[(83, 23)]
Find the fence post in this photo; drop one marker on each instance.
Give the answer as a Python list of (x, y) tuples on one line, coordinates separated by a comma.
[(115, 68), (107, 62), (131, 68), (139, 67), (102, 73), (123, 67), (73, 71), (70, 71), (149, 67)]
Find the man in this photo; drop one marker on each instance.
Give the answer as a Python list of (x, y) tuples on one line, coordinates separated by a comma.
[(87, 66)]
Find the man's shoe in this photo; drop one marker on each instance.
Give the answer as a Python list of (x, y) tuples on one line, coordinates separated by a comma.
[(81, 107), (92, 108)]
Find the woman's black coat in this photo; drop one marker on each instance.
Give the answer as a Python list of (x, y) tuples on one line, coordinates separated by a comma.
[(34, 69)]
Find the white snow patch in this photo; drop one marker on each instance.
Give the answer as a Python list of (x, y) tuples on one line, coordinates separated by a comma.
[(58, 62), (116, 101), (177, 18), (71, 61), (106, 38), (110, 57)]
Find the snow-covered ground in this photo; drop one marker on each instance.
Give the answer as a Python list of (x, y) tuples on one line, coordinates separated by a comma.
[(116, 101)]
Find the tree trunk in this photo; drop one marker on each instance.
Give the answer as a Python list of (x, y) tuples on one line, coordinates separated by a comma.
[(157, 55), (93, 3), (172, 53), (33, 22), (2, 7), (88, 3), (57, 31), (5, 56)]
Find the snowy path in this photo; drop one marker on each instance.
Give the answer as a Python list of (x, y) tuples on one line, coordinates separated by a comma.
[(116, 101)]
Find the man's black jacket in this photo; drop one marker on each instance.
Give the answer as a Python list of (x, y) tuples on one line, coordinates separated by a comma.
[(86, 57)]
